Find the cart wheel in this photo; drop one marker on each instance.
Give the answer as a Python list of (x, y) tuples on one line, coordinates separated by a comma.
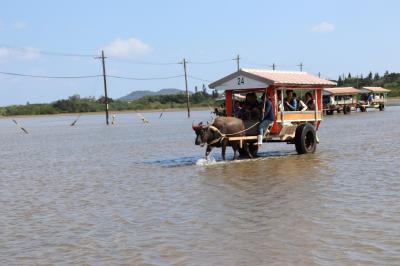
[(305, 139), (253, 149), (242, 153), (381, 107), (329, 112), (363, 109)]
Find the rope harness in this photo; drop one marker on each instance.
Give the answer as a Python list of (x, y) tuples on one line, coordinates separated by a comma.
[(223, 136)]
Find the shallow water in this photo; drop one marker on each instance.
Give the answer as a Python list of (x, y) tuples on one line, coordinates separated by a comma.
[(143, 194)]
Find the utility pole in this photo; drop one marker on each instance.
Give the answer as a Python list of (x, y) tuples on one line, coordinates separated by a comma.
[(357, 81), (102, 57), (301, 66), (186, 87), (237, 62)]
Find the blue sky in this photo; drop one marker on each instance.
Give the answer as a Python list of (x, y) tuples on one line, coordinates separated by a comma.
[(331, 37)]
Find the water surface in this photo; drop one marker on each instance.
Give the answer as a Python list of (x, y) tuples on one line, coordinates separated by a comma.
[(133, 194)]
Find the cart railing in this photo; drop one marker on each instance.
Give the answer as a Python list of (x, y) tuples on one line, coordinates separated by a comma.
[(299, 116)]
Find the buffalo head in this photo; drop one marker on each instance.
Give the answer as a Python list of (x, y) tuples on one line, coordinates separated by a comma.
[(201, 134)]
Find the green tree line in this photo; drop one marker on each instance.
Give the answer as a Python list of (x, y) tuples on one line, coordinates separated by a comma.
[(388, 80), (76, 104)]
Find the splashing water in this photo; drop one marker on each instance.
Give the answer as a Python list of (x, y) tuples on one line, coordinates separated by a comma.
[(206, 161)]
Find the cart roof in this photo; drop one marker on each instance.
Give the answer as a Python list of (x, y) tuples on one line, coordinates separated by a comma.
[(342, 91), (374, 89), (261, 78)]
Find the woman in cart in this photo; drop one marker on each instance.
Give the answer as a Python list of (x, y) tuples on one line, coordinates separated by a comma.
[(290, 101), (310, 103)]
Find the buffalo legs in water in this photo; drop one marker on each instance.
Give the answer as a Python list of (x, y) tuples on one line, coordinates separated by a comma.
[(208, 150), (235, 147), (223, 147), (242, 151), (224, 143)]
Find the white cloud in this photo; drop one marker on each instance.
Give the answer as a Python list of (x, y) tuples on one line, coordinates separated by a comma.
[(27, 53), (4, 52), (323, 27), (127, 48), (30, 54), (19, 25)]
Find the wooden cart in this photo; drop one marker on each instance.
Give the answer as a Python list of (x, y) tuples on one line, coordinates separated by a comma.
[(341, 99), (373, 97), (293, 127)]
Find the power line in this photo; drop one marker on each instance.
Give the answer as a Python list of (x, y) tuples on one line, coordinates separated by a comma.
[(86, 76), (38, 51), (168, 63), (33, 50), (142, 62), (197, 78), (116, 59), (136, 78), (274, 65), (66, 54), (62, 54), (49, 77), (211, 62)]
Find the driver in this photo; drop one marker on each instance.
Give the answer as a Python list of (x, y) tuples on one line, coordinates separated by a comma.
[(269, 118)]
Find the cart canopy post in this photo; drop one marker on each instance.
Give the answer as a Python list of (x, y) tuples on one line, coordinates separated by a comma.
[(228, 102)]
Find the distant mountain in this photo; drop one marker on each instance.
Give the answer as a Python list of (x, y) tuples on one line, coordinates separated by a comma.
[(139, 94)]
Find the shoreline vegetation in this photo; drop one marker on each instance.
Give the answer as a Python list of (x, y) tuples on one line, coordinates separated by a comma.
[(201, 99), (392, 101), (116, 112), (77, 105)]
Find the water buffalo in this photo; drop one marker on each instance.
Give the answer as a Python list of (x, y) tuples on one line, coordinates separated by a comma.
[(215, 135)]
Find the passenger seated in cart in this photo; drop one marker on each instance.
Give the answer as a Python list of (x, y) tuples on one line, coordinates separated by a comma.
[(310, 102), (267, 119), (364, 97), (250, 107), (237, 109), (302, 106), (290, 101), (370, 98), (220, 111), (279, 96)]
